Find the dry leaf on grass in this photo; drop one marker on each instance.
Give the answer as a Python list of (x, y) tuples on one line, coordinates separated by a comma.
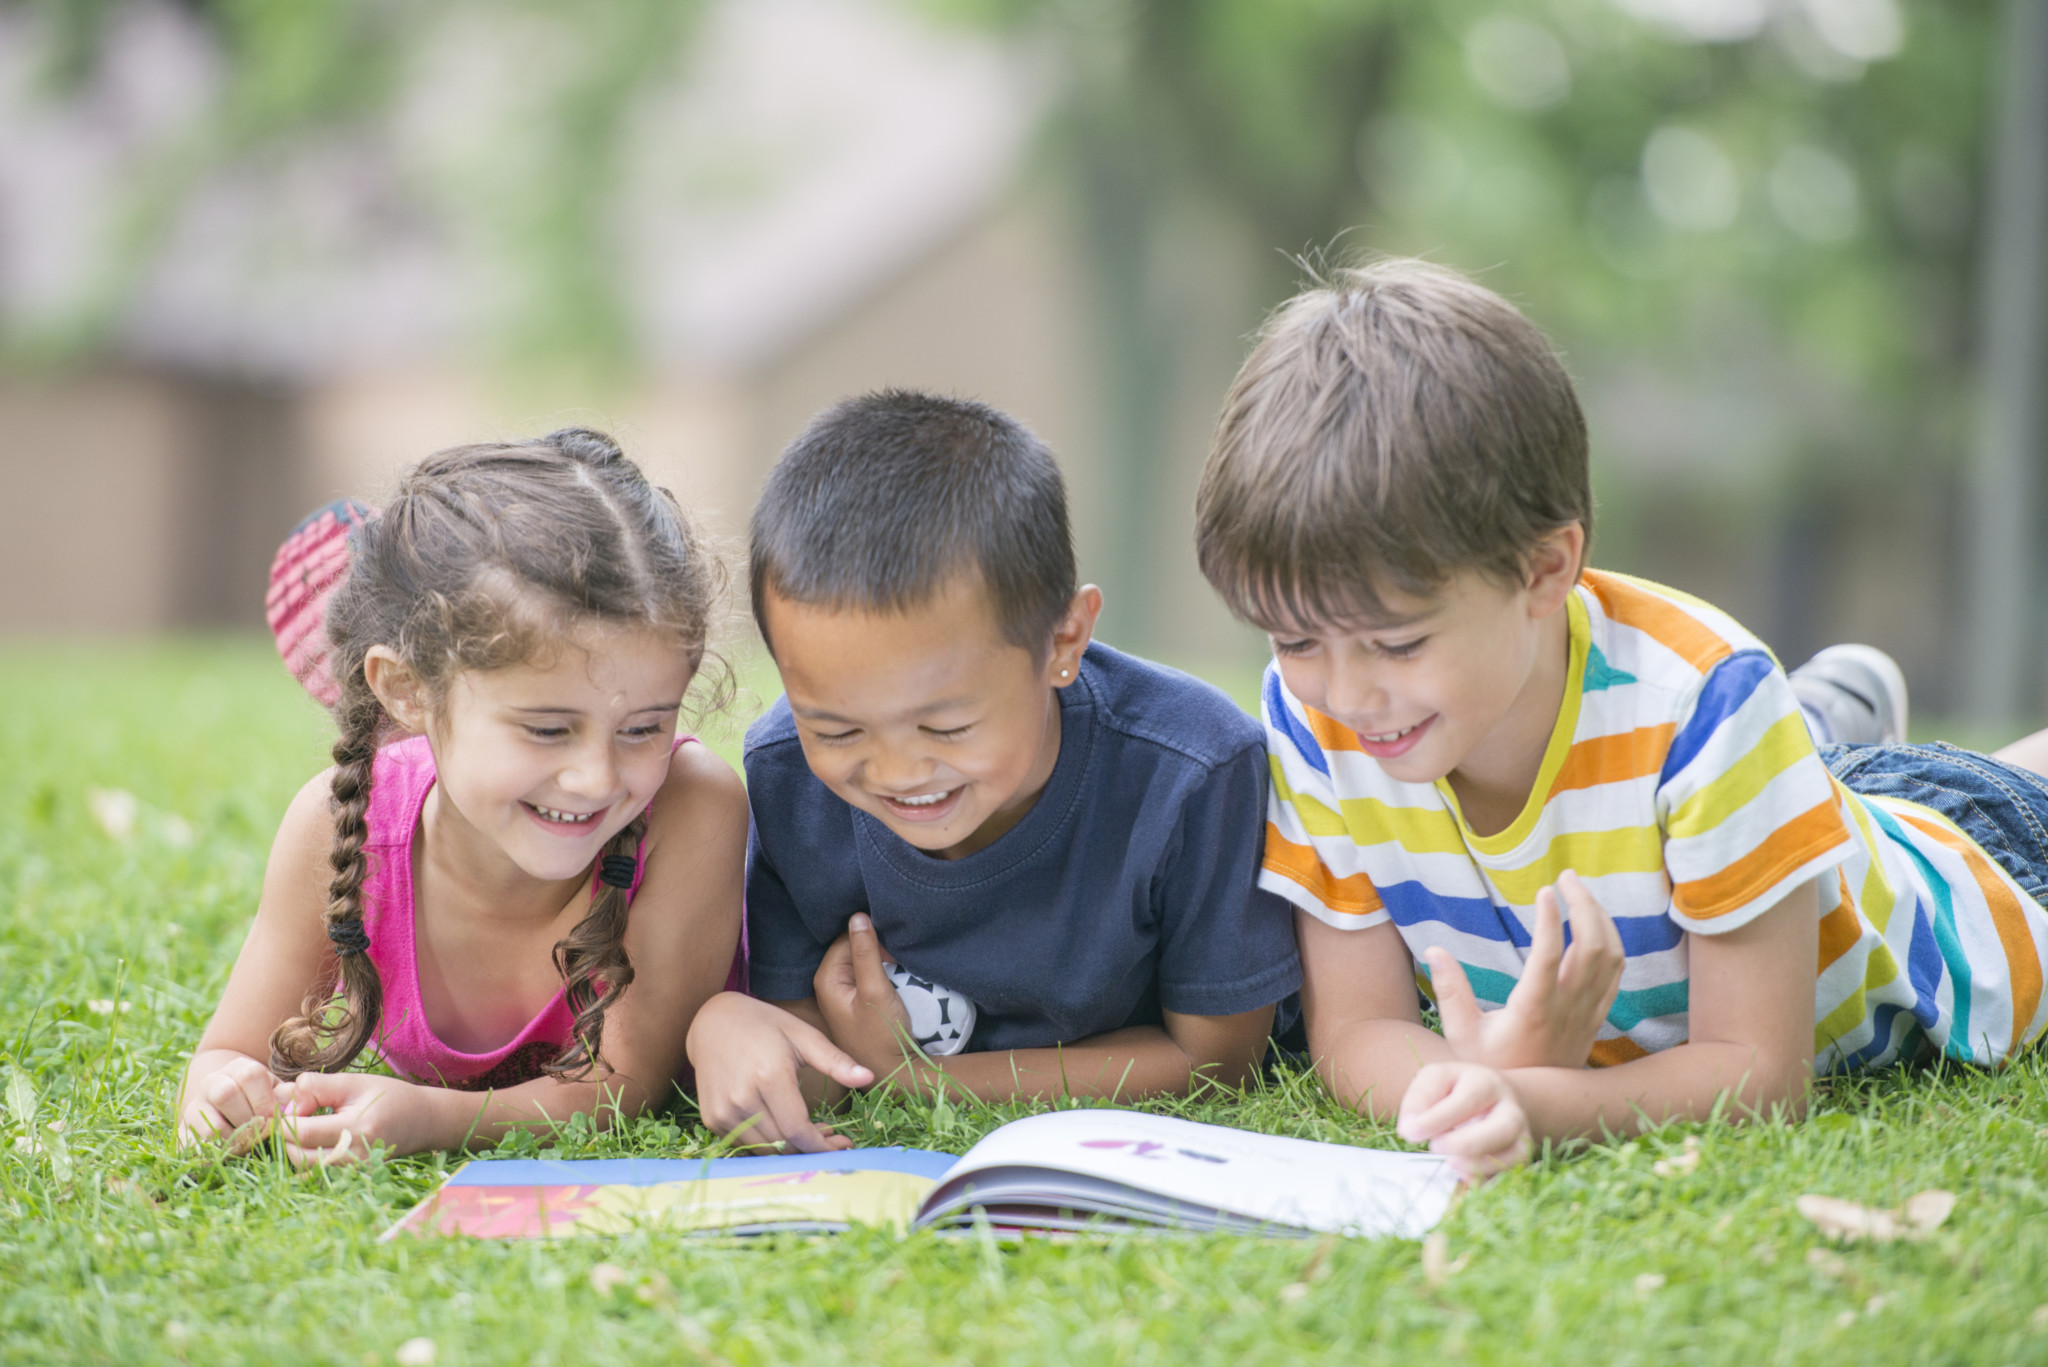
[(1681, 1162), (1847, 1221), (1829, 1265), (1437, 1265), (248, 1135), (114, 810)]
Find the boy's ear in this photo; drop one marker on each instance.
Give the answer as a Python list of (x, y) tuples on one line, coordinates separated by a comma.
[(396, 687), (1071, 635), (1553, 568)]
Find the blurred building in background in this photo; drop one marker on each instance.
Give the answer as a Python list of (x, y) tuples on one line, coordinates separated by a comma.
[(255, 257)]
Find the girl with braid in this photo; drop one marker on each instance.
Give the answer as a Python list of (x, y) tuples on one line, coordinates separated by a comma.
[(517, 883)]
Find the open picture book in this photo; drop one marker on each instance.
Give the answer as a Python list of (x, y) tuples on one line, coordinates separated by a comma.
[(1064, 1171)]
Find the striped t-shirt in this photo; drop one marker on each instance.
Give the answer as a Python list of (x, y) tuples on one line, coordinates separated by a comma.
[(1681, 784)]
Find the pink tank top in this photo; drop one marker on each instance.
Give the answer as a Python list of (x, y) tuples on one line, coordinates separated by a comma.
[(399, 784)]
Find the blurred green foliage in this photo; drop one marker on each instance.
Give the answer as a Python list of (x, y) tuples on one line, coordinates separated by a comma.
[(543, 197), (1624, 180)]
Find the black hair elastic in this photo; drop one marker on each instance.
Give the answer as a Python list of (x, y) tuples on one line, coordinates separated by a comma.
[(617, 870), (349, 937)]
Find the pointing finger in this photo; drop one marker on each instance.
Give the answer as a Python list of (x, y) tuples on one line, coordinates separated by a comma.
[(813, 1048), (1546, 944), (1456, 1005)]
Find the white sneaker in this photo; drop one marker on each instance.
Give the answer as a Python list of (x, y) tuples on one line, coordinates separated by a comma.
[(1852, 694)]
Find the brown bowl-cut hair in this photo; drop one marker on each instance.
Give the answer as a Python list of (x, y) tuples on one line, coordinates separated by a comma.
[(1395, 424)]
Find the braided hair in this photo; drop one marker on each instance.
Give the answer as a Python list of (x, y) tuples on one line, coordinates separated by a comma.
[(488, 556)]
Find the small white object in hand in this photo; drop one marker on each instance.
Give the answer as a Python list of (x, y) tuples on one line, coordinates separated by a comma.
[(940, 1018)]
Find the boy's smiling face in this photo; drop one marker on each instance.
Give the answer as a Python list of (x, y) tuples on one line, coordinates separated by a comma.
[(1464, 684), (929, 719)]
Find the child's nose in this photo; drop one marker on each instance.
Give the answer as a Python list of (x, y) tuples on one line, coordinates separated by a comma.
[(591, 770), (895, 770), (1355, 694)]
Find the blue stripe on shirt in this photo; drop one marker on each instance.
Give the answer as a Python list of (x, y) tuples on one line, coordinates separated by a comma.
[(1931, 952), (1283, 721), (1724, 693), (1412, 903)]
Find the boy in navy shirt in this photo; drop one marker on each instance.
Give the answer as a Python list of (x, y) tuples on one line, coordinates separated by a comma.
[(1027, 829)]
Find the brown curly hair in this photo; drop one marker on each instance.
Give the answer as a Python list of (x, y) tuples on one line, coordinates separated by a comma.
[(488, 556)]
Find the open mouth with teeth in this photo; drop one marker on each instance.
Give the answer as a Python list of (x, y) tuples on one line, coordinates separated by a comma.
[(563, 820), (1387, 744), (921, 806)]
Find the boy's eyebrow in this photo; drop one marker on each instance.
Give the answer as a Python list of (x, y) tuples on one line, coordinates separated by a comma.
[(819, 714), (1387, 622)]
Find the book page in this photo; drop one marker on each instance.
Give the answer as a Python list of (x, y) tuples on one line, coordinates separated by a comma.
[(1336, 1188)]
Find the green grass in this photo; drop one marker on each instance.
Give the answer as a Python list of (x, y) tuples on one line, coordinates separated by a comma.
[(114, 1247)]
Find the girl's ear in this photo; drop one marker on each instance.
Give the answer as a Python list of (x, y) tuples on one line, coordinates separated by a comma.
[(1070, 637), (1553, 568), (397, 688)]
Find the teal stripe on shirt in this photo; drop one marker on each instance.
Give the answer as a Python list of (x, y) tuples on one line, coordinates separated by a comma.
[(1944, 933)]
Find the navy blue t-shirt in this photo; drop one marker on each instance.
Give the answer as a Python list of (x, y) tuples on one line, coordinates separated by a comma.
[(1129, 887)]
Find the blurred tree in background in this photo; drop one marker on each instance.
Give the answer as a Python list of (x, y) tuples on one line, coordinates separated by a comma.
[(1769, 202), (541, 197), (1753, 225)]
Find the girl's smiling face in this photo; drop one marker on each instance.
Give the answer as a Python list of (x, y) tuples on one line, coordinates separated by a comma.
[(546, 761)]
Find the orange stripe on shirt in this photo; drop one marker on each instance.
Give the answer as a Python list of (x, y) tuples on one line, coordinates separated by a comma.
[(1840, 929), (1330, 733), (1813, 832), (1354, 895), (1614, 759), (1677, 630), (2021, 958), (1608, 1052)]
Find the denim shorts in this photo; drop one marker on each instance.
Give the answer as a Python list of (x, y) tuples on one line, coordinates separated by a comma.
[(2001, 806)]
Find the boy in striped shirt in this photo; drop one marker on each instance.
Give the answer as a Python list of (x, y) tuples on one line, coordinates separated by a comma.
[(1474, 739)]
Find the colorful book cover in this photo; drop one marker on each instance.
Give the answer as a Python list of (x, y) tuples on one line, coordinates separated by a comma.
[(521, 1198)]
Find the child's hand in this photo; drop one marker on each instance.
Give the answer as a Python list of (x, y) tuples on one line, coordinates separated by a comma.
[(241, 1090), (366, 1109), (1554, 1013), (861, 1005), (747, 1054), (1468, 1114)]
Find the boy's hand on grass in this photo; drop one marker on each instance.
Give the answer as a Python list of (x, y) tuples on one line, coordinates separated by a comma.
[(1469, 1114), (238, 1092), (861, 1005), (1555, 1011), (747, 1054)]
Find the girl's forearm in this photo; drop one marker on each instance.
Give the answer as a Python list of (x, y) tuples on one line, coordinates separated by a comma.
[(1683, 1083), (457, 1119)]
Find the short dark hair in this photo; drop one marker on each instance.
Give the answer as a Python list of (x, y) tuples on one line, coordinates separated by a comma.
[(1397, 423), (886, 497)]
